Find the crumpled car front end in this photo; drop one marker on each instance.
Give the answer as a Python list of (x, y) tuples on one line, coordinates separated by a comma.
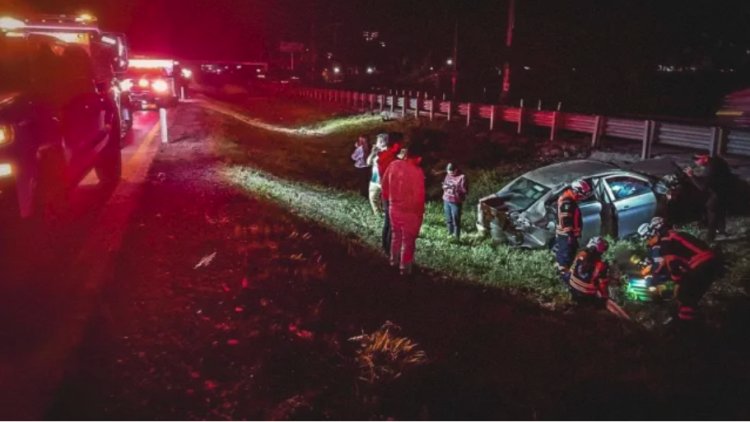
[(531, 229)]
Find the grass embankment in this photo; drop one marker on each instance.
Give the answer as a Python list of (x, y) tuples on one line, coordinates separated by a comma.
[(311, 174)]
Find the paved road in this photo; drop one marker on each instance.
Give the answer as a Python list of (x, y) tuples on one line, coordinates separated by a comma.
[(48, 289)]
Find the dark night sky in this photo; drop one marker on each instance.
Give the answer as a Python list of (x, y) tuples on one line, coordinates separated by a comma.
[(617, 43), (249, 28)]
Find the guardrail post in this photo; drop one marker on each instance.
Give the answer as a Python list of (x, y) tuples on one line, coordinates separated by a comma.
[(492, 117), (468, 114), (432, 109), (597, 132), (450, 110), (553, 126), (393, 103), (418, 106), (649, 129), (718, 141), (520, 119), (405, 107), (163, 125)]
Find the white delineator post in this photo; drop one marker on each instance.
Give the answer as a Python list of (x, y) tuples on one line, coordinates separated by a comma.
[(163, 125)]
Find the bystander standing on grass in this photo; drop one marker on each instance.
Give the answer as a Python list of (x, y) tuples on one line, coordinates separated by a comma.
[(381, 143), (403, 188), (359, 156), (385, 158), (455, 189)]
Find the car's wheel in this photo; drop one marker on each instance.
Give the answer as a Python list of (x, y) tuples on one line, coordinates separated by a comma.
[(109, 166)]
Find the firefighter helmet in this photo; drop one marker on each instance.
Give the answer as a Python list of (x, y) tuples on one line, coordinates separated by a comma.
[(599, 243), (657, 224), (644, 231), (652, 228), (581, 188)]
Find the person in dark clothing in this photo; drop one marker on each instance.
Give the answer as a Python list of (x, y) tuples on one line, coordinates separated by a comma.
[(715, 182), (588, 278), (686, 260), (569, 224), (385, 158), (455, 188)]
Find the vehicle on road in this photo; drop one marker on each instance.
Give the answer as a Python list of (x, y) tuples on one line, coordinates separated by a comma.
[(60, 110), (152, 83), (523, 213)]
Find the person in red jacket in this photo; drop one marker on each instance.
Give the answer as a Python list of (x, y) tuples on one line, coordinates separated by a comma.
[(455, 189), (404, 190), (385, 158)]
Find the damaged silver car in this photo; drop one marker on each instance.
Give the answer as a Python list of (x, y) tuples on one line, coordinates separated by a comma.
[(523, 213)]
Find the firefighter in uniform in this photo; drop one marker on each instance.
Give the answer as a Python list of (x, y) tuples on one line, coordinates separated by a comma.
[(588, 277), (688, 261), (569, 224)]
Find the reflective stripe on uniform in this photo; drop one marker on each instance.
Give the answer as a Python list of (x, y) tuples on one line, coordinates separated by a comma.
[(686, 313), (582, 286), (700, 258)]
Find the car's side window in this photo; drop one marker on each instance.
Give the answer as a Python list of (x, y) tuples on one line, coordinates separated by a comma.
[(625, 187)]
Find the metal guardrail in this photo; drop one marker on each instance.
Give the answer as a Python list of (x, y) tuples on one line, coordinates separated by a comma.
[(716, 139)]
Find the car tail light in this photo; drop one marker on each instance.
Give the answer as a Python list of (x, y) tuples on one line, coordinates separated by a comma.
[(126, 84), (143, 83), (160, 86)]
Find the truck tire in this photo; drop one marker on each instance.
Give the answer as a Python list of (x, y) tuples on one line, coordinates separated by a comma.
[(109, 166), (51, 199)]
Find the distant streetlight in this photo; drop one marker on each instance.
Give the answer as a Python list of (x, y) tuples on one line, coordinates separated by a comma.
[(370, 70), (337, 70), (449, 62)]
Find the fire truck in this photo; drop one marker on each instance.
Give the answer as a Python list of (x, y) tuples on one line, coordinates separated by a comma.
[(61, 111), (152, 83)]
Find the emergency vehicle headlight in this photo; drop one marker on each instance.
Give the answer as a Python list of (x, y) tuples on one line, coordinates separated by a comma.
[(126, 84), (9, 24), (85, 17), (160, 86), (6, 170), (6, 135), (143, 83)]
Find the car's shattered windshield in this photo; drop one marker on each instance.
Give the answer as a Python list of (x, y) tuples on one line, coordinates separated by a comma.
[(523, 192)]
